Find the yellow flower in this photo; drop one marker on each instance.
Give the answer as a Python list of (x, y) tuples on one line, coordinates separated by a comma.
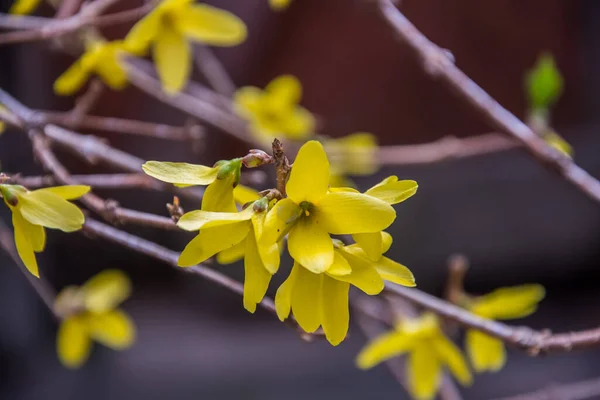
[(34, 210), (322, 299), (23, 7), (276, 111), (234, 234), (100, 58), (279, 5), (429, 352), (355, 154), (221, 180), (170, 27), (485, 352), (89, 312), (244, 194), (310, 212)]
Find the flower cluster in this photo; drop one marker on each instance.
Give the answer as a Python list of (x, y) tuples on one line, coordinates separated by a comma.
[(316, 291)]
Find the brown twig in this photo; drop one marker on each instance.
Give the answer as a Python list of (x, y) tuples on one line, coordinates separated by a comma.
[(97, 181), (439, 64), (589, 389), (282, 166), (213, 70), (85, 102)]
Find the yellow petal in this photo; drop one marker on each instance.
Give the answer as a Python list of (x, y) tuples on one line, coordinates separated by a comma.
[(309, 177), (384, 347), (395, 272), (349, 213), (393, 191), (144, 32), (354, 154), (363, 275), (256, 276), (386, 242), (509, 302), (180, 173), (23, 243), (485, 352), (49, 210), (210, 25), (285, 89), (269, 253), (73, 342), (218, 196), (334, 308), (279, 5), (306, 298), (111, 72), (371, 243), (232, 254), (244, 194), (69, 192), (310, 245), (74, 77), (298, 124), (211, 241), (451, 356), (106, 290), (24, 7), (279, 220), (424, 371), (196, 220), (172, 54), (283, 297), (340, 265), (113, 329)]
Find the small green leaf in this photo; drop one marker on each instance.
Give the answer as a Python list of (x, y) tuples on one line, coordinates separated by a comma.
[(544, 83)]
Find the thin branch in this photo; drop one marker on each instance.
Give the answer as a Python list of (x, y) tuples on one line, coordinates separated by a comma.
[(571, 391), (213, 70), (44, 291), (85, 102), (97, 181), (439, 64)]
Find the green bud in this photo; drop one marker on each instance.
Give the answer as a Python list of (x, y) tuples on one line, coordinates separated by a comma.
[(261, 204), (9, 192), (231, 168)]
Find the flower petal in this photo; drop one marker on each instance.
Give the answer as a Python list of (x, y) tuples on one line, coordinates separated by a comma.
[(211, 241), (113, 329), (349, 213), (299, 124), (485, 352), (386, 242), (69, 192), (106, 290), (278, 5), (244, 194), (180, 173), (509, 302), (424, 371), (196, 220), (309, 177), (393, 191), (279, 220), (306, 298), (144, 32), (73, 343), (49, 210), (384, 347), (210, 25), (74, 77), (172, 55), (112, 73), (395, 272), (269, 253), (23, 7), (340, 265), (256, 276), (22, 242), (232, 254), (451, 356), (218, 196), (334, 309), (363, 275), (285, 89), (310, 245), (371, 243), (283, 297)]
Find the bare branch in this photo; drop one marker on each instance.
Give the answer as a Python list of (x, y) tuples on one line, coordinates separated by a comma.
[(98, 181), (571, 391), (213, 70)]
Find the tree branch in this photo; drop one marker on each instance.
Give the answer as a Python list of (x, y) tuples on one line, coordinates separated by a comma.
[(571, 391)]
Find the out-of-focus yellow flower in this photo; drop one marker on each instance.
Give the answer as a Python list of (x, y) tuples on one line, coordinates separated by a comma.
[(429, 352), (170, 27), (32, 211), (279, 5), (276, 110), (244, 194), (2, 124), (485, 352), (221, 179), (24, 7), (310, 212), (100, 58), (238, 233), (89, 313), (559, 143), (355, 154)]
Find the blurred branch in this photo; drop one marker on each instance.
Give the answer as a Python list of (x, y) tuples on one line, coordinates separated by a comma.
[(439, 64), (98, 181), (85, 102), (213, 70), (589, 389)]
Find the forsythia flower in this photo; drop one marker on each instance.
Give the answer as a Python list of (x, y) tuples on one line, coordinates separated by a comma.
[(34, 210), (241, 231), (221, 180), (171, 25), (310, 212), (355, 154), (23, 7), (100, 58), (429, 351), (279, 5), (486, 352), (89, 312), (276, 110), (244, 194)]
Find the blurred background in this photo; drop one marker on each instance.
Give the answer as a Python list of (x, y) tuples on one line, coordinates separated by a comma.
[(516, 221)]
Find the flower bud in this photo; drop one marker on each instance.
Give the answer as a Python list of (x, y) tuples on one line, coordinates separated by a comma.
[(256, 158), (261, 204), (9, 192)]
